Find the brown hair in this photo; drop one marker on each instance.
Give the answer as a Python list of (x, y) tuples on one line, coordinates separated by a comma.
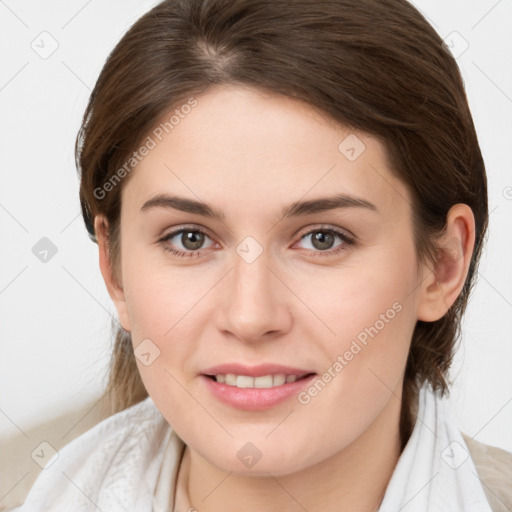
[(372, 65)]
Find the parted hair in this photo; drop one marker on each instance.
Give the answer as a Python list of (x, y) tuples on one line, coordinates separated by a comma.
[(371, 65)]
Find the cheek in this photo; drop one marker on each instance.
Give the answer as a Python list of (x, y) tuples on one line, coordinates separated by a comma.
[(370, 296), (158, 296), (371, 313), (366, 360), (169, 310), (166, 321)]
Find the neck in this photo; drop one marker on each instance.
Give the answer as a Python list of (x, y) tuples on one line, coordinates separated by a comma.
[(353, 479)]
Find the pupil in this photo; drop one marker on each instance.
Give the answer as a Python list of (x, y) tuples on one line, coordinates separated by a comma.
[(192, 240), (322, 240)]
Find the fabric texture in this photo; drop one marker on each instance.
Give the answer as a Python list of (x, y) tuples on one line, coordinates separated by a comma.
[(130, 462), (435, 471), (494, 467), (113, 467)]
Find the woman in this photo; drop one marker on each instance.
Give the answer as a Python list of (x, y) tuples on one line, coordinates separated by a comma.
[(290, 204)]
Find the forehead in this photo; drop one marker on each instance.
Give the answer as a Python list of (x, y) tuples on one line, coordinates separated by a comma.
[(240, 148)]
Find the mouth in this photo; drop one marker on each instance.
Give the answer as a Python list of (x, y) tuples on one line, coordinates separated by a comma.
[(261, 382), (255, 388)]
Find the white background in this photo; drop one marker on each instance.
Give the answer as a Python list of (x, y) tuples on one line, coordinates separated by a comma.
[(54, 316)]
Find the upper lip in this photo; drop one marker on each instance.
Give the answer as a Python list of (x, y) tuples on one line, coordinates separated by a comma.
[(255, 371)]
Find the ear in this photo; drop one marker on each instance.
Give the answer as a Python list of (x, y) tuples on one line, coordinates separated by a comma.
[(114, 287), (442, 284)]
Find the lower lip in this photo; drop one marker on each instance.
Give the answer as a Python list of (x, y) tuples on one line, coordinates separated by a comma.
[(255, 399)]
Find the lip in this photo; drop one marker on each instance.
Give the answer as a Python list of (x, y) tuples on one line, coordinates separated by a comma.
[(255, 399), (255, 371)]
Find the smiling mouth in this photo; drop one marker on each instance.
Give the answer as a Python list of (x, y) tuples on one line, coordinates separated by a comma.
[(262, 382)]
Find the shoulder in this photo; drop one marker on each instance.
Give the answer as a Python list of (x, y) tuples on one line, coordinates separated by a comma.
[(108, 465), (494, 468)]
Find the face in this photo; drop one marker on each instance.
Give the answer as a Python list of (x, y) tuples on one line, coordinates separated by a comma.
[(269, 281)]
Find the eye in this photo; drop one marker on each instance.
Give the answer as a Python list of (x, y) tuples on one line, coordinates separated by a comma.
[(325, 240), (191, 241), (186, 242)]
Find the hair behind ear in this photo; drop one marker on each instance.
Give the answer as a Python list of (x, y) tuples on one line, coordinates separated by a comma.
[(124, 387)]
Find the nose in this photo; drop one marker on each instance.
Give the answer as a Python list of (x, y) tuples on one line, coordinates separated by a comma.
[(255, 305)]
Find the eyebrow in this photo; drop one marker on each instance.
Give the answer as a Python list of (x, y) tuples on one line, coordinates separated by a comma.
[(294, 210)]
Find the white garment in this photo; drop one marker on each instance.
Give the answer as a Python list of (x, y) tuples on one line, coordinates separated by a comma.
[(129, 463), (435, 472)]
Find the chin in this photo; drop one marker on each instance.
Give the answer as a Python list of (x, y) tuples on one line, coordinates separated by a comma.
[(248, 460)]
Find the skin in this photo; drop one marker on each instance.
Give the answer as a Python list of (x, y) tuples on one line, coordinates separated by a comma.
[(249, 154)]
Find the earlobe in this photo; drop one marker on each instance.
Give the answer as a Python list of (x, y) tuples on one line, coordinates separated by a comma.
[(114, 288), (442, 284)]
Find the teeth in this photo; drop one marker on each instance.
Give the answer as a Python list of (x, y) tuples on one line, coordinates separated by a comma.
[(230, 379), (244, 381), (264, 382), (279, 379)]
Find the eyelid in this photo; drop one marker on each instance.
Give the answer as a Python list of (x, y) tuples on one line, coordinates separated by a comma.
[(344, 233), (185, 227), (300, 233), (347, 238), (164, 239)]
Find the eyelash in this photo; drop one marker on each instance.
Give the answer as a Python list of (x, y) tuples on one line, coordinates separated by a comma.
[(346, 241)]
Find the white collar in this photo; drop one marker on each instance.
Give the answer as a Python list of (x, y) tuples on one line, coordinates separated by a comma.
[(435, 472), (130, 462)]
